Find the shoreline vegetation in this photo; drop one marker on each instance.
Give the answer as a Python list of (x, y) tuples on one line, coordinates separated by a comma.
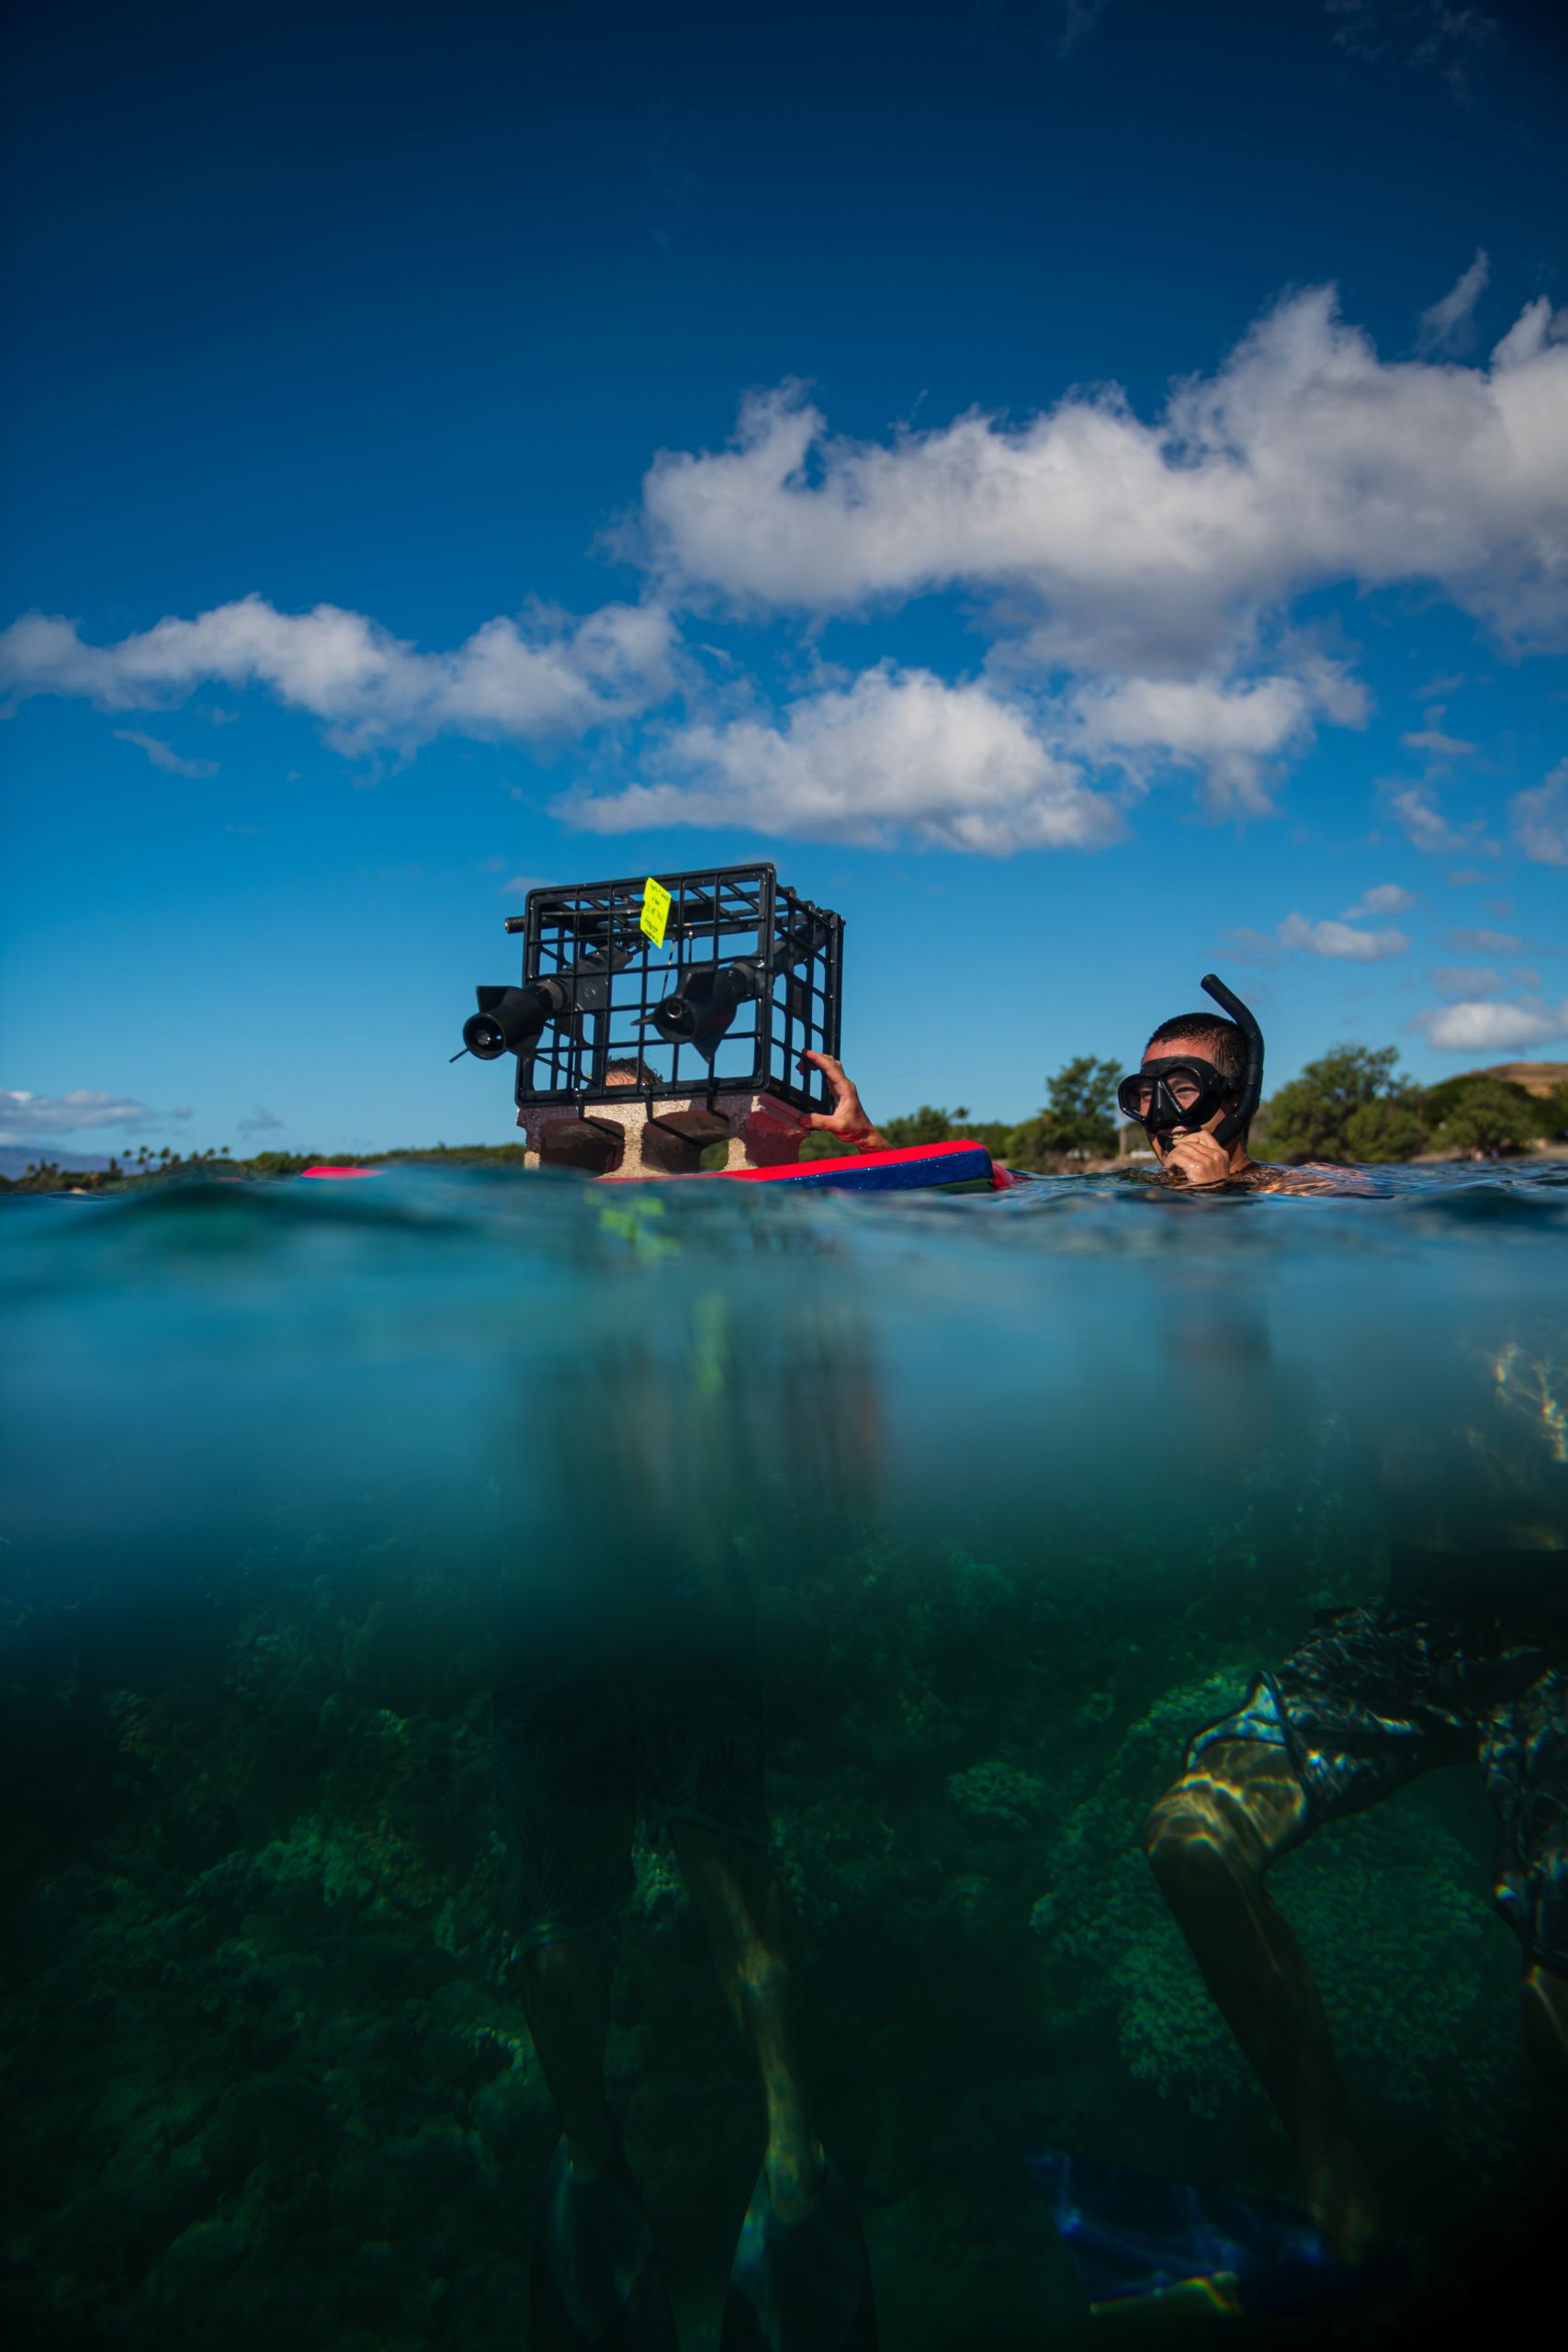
[(1352, 1105)]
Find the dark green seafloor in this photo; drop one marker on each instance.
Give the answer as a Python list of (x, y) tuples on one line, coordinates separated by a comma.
[(265, 2075)]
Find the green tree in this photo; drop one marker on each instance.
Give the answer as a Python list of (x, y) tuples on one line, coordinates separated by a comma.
[(1311, 1117), (1386, 1128), (276, 1163), (926, 1125), (1486, 1114), (1079, 1116), (1078, 1106)]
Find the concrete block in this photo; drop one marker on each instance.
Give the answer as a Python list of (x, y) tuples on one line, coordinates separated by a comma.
[(664, 1135)]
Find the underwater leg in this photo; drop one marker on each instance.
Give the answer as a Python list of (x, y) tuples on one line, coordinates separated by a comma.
[(801, 2281), (566, 1998), (594, 2279), (1210, 1840), (1544, 2010)]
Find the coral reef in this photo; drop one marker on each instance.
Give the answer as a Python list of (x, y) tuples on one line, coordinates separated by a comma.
[(266, 2071)]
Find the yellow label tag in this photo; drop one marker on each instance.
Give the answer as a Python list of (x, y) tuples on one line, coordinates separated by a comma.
[(655, 909)]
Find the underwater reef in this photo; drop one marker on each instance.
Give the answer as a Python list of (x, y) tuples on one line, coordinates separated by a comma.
[(265, 2070)]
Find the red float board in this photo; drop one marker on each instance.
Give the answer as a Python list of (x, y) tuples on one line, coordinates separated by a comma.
[(915, 1167), (911, 1168)]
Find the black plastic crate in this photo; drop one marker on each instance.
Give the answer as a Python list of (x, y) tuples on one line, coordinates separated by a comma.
[(746, 979)]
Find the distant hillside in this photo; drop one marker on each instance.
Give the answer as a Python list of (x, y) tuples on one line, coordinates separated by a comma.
[(1536, 1077), (16, 1159)]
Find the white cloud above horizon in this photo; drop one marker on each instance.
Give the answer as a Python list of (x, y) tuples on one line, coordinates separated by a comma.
[(1436, 744), (1449, 324), (1227, 732), (1443, 37), (554, 677), (1470, 941), (1427, 828), (1540, 819), (1383, 898), (164, 755), (1137, 578), (24, 1116), (1492, 1026), (898, 752), (1341, 942), (1467, 979), (1157, 548)]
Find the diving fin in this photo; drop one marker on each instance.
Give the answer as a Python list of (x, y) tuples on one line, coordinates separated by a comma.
[(595, 2284), (1133, 2238), (802, 2286)]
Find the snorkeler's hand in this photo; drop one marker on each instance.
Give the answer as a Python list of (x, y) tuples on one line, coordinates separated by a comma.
[(847, 1119), (1198, 1158)]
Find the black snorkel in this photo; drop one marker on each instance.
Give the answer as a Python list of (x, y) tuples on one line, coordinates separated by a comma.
[(1236, 1122)]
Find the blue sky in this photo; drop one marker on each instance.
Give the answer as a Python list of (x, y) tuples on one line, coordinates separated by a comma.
[(1084, 488)]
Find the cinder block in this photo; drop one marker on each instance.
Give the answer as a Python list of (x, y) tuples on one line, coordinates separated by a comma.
[(661, 1134)]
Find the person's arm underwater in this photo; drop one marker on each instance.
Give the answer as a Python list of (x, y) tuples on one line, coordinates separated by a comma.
[(847, 1119)]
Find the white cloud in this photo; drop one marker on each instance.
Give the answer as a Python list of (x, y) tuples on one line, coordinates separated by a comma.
[(1467, 979), (1443, 36), (1485, 943), (24, 1116), (554, 677), (1540, 819), (1493, 1028), (1383, 898), (1433, 740), (1341, 942), (1427, 828), (897, 752), (1157, 548), (1247, 946), (1449, 324), (261, 1122), (1139, 575), (164, 756), (1228, 731), (1536, 326)]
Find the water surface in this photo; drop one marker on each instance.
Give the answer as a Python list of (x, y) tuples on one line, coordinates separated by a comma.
[(1023, 1489)]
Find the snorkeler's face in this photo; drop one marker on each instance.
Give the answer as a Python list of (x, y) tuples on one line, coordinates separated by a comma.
[(1187, 1091)]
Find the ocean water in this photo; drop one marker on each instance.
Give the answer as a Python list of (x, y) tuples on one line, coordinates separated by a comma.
[(1018, 1491)]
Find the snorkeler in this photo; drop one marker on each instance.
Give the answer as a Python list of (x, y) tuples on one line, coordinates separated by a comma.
[(635, 1688), (1195, 1095), (1465, 1659)]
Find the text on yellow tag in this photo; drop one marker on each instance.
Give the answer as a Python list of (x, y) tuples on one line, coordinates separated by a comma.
[(655, 909)]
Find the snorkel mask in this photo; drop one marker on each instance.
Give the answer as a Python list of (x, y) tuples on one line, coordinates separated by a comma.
[(1178, 1093)]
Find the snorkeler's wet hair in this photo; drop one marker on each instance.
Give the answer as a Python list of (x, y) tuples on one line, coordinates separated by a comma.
[(1222, 1041)]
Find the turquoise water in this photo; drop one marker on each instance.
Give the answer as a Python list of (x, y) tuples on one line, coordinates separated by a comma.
[(1022, 1490)]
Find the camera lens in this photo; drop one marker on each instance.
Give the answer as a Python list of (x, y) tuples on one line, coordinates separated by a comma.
[(483, 1037)]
